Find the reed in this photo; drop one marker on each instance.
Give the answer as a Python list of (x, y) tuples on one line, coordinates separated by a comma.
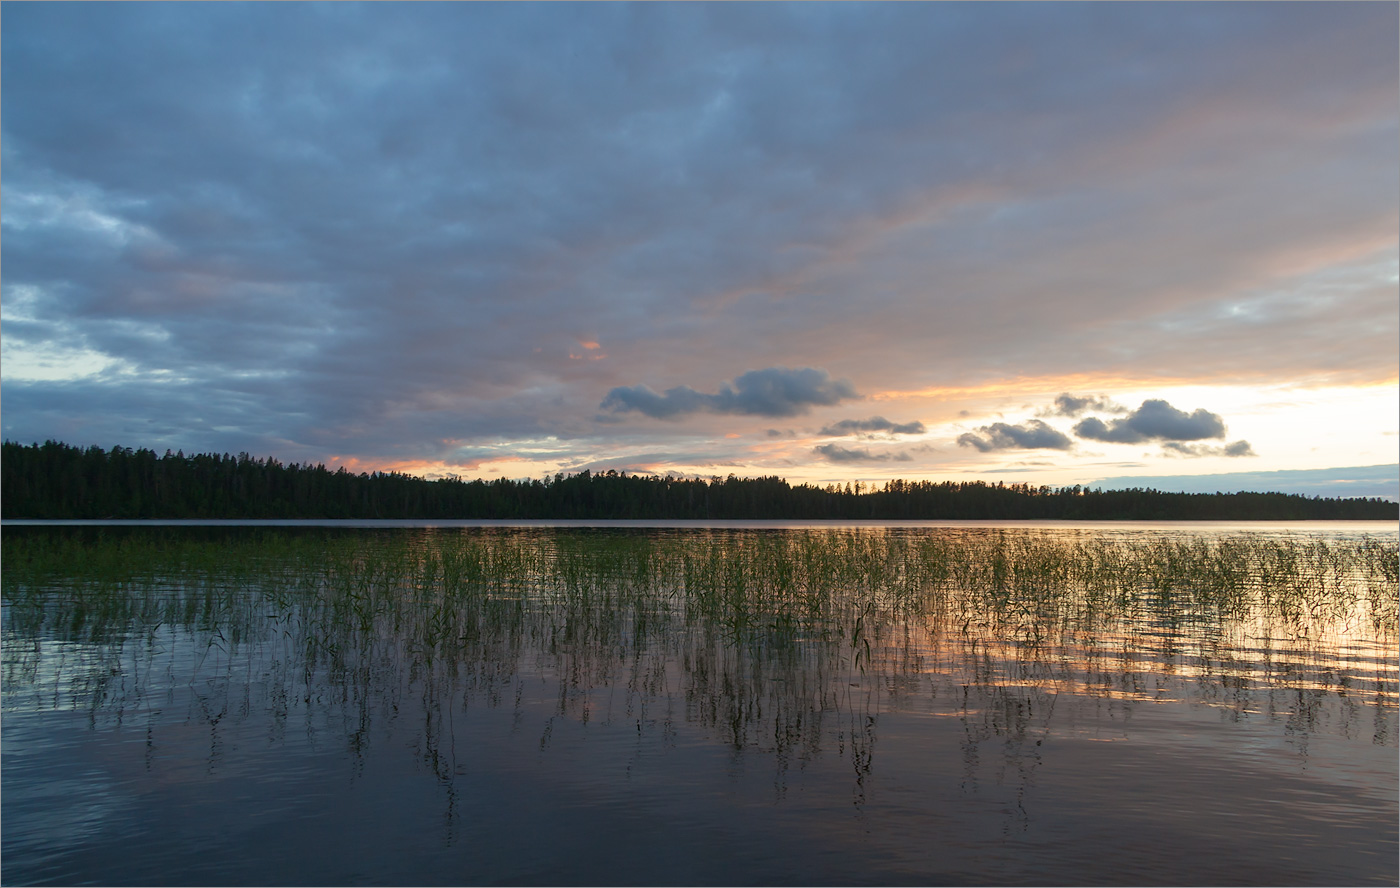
[(744, 606)]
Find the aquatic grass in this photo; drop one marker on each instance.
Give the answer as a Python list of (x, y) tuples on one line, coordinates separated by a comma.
[(793, 643), (797, 578), (753, 610)]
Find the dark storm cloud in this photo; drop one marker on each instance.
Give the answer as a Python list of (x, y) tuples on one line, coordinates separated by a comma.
[(775, 391), (1029, 435), (1155, 420), (874, 424), (1072, 405), (837, 454)]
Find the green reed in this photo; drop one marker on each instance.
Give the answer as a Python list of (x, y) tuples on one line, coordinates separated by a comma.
[(761, 634), (434, 591)]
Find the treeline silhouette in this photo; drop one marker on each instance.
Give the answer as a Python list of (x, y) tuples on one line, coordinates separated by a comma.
[(56, 480)]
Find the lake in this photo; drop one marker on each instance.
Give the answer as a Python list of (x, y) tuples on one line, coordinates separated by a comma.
[(737, 703)]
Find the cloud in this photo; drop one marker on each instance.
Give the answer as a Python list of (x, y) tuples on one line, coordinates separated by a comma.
[(874, 424), (676, 402), (273, 234), (775, 391), (1071, 405), (838, 454), (1238, 448), (1155, 420), (1030, 435)]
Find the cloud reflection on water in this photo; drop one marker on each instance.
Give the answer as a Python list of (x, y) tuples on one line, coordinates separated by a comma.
[(838, 669)]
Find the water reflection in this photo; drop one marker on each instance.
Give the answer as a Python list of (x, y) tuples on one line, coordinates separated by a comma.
[(834, 669)]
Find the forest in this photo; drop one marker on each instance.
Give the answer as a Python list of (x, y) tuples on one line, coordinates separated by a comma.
[(55, 480)]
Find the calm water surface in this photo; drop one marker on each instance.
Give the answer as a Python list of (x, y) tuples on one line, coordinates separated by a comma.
[(971, 704)]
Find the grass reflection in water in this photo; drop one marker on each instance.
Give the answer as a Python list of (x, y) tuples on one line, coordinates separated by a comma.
[(788, 642)]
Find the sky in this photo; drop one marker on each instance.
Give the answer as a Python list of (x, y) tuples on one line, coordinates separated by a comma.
[(1036, 243)]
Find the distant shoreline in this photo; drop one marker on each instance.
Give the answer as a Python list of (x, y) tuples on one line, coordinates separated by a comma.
[(1327, 525), (58, 481)]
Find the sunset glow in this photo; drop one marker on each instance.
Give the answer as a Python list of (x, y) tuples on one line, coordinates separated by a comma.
[(1052, 244)]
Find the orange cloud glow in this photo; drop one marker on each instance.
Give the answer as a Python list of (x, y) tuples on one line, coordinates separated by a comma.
[(590, 346)]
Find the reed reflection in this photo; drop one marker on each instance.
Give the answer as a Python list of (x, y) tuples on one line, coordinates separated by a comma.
[(789, 645)]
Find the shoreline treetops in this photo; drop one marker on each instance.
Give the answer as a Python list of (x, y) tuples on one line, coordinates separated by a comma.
[(56, 480)]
